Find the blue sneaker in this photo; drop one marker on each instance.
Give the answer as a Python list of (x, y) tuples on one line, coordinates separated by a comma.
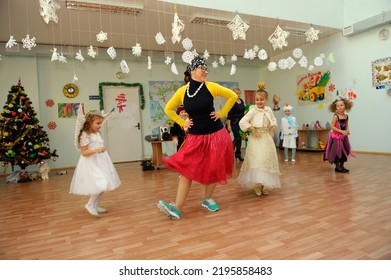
[(210, 204), (169, 210)]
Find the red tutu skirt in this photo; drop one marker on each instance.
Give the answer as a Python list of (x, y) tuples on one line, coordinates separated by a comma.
[(206, 159)]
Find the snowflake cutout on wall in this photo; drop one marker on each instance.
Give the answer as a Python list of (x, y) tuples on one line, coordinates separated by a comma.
[(11, 42), (312, 35), (91, 52), (238, 28), (137, 50), (101, 37), (297, 53), (187, 56), (222, 60), (48, 10), (272, 66), (278, 38), (79, 56), (168, 60), (160, 39), (215, 64), (177, 27), (28, 43)]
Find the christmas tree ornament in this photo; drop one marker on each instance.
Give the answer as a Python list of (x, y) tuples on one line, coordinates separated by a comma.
[(160, 39), (48, 10), (101, 37), (112, 52), (177, 27), (278, 38), (29, 43), (137, 49), (238, 28), (91, 52), (311, 34), (11, 42)]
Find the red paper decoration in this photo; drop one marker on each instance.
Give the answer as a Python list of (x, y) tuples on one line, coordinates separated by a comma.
[(49, 102), (52, 125)]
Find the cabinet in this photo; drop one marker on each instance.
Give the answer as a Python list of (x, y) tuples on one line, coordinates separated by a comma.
[(310, 138)]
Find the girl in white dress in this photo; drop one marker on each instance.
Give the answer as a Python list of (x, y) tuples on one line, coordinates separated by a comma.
[(260, 170), (95, 172)]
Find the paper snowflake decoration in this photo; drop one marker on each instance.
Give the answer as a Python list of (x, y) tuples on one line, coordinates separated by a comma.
[(238, 28), (168, 60), (303, 62), (272, 66), (160, 39), (28, 42), (233, 69), (0, 56), (75, 78), (262, 54), (282, 64), (112, 52), (174, 69), (256, 48), (318, 61), (124, 67), (278, 38), (246, 55), (62, 58), (101, 37), (215, 64), (149, 63), (331, 57), (206, 54), (79, 56), (11, 42), (194, 52), (312, 35), (251, 54), (311, 67), (137, 50), (291, 62), (187, 44), (177, 27), (234, 58), (222, 60), (91, 52), (48, 10), (297, 53), (187, 57), (54, 54)]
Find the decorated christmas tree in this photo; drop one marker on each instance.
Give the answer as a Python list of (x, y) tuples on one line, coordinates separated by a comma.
[(23, 142)]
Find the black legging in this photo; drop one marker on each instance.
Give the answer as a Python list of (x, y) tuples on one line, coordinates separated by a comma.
[(237, 142)]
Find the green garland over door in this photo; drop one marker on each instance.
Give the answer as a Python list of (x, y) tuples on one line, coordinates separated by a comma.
[(105, 84)]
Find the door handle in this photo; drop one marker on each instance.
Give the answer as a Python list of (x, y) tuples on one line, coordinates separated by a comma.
[(138, 126)]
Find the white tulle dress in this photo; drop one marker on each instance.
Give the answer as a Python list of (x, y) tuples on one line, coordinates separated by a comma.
[(96, 173), (260, 165)]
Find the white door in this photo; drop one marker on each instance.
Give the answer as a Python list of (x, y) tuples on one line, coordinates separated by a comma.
[(123, 128)]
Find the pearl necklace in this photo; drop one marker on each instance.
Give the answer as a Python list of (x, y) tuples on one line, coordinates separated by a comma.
[(192, 95)]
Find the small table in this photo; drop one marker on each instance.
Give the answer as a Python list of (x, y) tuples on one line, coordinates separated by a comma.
[(157, 153)]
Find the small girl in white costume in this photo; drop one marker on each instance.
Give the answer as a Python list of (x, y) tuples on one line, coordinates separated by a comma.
[(289, 132), (260, 170), (95, 172)]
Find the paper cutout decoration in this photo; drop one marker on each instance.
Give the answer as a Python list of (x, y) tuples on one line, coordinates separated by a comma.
[(54, 54), (187, 57), (160, 39), (112, 52), (233, 69), (52, 125), (206, 54), (234, 58), (238, 28), (297, 53), (29, 43), (11, 42), (168, 60), (79, 56), (124, 67), (91, 52), (187, 44), (222, 60), (48, 10), (49, 102), (177, 27), (215, 64), (312, 35), (278, 38), (137, 49), (262, 54), (272, 66), (101, 37), (174, 69), (149, 63), (303, 62)]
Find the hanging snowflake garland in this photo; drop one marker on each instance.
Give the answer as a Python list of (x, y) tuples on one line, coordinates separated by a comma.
[(160, 39), (137, 50), (187, 44), (177, 27), (278, 38), (312, 35), (101, 37), (79, 56), (238, 28), (48, 10), (29, 43), (11, 42), (91, 52)]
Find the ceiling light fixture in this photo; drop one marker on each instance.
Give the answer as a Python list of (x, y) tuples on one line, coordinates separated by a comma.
[(210, 20), (117, 7)]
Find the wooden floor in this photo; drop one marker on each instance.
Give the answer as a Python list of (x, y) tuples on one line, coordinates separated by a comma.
[(317, 215)]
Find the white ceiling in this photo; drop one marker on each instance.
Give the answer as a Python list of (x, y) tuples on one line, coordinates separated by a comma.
[(79, 28)]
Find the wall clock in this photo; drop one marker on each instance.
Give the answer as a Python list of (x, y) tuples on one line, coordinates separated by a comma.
[(70, 90)]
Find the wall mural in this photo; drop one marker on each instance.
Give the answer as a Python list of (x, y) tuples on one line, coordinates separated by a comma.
[(314, 88)]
